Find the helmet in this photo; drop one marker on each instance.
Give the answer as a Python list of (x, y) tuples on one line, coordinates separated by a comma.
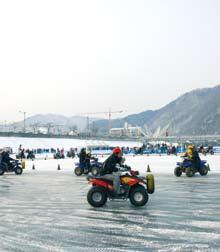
[(116, 150), (190, 147)]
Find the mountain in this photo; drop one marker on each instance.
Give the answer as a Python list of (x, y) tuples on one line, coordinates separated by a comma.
[(194, 113), (58, 121)]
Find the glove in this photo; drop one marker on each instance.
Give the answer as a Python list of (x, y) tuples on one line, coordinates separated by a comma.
[(128, 167), (120, 168)]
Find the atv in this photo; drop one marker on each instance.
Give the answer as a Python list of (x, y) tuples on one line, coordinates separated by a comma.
[(94, 168), (187, 167), (13, 166), (133, 187)]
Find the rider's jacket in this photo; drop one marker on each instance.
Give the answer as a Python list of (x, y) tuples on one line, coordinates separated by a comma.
[(110, 164)]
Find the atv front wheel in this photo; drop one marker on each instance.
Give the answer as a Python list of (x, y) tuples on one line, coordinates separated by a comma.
[(204, 171), (18, 170), (97, 196), (78, 171), (177, 172), (138, 196)]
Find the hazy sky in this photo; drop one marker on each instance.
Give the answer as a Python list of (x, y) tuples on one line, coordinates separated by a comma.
[(71, 57)]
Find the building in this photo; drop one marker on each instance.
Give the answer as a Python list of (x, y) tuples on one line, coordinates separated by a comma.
[(127, 131)]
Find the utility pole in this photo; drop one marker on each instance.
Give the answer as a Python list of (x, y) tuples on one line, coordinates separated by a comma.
[(5, 126), (24, 113), (110, 118), (88, 128)]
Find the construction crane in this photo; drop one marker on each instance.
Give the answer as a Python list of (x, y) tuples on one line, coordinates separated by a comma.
[(109, 113)]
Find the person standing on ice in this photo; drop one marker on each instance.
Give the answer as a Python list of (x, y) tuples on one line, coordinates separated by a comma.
[(20, 148), (62, 151), (110, 169)]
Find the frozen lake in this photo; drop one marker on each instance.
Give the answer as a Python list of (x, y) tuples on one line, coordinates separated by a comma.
[(47, 210), (44, 143)]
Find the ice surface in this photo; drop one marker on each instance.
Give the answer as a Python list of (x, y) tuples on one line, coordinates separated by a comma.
[(158, 164), (14, 143), (46, 210)]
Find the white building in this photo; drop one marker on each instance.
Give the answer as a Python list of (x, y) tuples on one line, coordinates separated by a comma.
[(128, 131)]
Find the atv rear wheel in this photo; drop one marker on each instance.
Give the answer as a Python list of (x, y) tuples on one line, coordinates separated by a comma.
[(97, 196), (95, 171), (177, 172), (18, 170), (138, 196), (189, 172), (204, 171), (3, 168), (78, 171)]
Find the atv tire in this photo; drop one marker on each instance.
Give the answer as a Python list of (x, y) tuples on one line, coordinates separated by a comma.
[(18, 170), (2, 171), (97, 196), (95, 171), (177, 172), (78, 171), (138, 196), (189, 172), (3, 168), (150, 184), (204, 171)]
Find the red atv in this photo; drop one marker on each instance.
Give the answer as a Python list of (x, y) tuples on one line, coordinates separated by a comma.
[(133, 186)]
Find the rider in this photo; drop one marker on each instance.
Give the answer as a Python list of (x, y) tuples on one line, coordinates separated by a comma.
[(110, 169), (193, 155), (88, 159), (5, 158), (82, 158)]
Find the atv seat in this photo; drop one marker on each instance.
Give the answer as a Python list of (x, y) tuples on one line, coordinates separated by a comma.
[(101, 178)]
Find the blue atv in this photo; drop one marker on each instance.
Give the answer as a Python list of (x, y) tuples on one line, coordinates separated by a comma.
[(94, 168), (187, 167), (13, 166)]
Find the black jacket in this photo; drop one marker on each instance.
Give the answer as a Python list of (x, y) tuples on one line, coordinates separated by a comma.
[(82, 157), (6, 158), (196, 159), (109, 166)]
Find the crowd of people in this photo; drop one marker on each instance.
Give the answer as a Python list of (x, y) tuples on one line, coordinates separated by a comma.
[(159, 149), (148, 149), (57, 153)]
